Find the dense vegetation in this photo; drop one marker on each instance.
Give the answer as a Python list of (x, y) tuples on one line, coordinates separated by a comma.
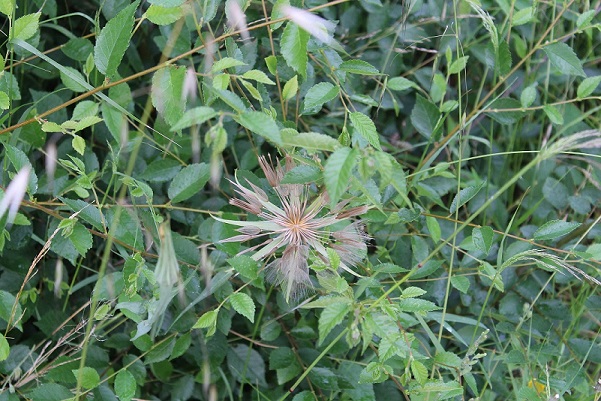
[(261, 200)]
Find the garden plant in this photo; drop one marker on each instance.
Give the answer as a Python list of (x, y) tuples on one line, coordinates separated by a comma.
[(300, 199)]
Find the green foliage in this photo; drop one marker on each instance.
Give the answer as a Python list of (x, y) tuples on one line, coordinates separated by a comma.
[(359, 200)]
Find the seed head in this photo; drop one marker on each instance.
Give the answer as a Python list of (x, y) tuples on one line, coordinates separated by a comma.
[(298, 222)]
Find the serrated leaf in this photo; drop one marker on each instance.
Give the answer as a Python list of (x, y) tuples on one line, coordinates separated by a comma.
[(125, 385), (585, 19), (290, 88), (563, 58), (359, 67), (261, 124), (458, 65), (166, 92), (4, 348), (7, 7), (461, 283), (87, 377), (554, 229), (337, 172), (113, 41), (79, 144), (25, 27), (424, 116), (416, 305), (245, 265), (412, 292), (293, 46), (366, 128), (81, 239), (225, 63), (209, 319), (319, 94), (330, 317), (465, 195), (244, 305), (4, 101), (503, 59), (302, 174), (400, 84), (309, 140), (523, 16), (188, 182), (67, 77), (50, 392), (7, 301), (588, 86), (163, 15), (482, 238), (419, 371), (195, 116), (258, 76)]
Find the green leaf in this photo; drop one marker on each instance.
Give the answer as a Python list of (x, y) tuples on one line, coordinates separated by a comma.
[(4, 101), (7, 300), (167, 87), (433, 228), (261, 124), (209, 319), (465, 195), (19, 159), (81, 239), (400, 84), (167, 3), (113, 41), (330, 317), (587, 86), (424, 116), (245, 265), (503, 59), (50, 392), (563, 58), (221, 81), (338, 171), (416, 305), (258, 76), (523, 16), (290, 88), (244, 305), (482, 238), (195, 116), (87, 377), (4, 348), (412, 292), (79, 144), (419, 371), (25, 27), (528, 96), (188, 182), (358, 67), (70, 82), (163, 15), (293, 46), (319, 94), (309, 140), (272, 63), (554, 229), (458, 65), (498, 110), (246, 365), (366, 128), (554, 115), (584, 19), (225, 63), (461, 283), (302, 174), (125, 385), (375, 372), (7, 7)]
